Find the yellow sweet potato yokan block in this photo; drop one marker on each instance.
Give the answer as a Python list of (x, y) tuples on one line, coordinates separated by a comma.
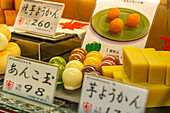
[(158, 95), (108, 70), (157, 67), (165, 55), (10, 16), (118, 75), (135, 64), (6, 4), (2, 17), (17, 4)]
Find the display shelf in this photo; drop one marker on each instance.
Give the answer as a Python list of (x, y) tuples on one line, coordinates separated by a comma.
[(41, 49)]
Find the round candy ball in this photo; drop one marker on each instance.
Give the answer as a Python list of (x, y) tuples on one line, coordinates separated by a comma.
[(58, 60), (3, 42), (112, 58), (74, 64), (89, 68), (61, 69), (77, 56), (113, 14), (116, 25), (93, 60), (72, 78), (133, 20), (79, 50), (105, 63), (96, 54)]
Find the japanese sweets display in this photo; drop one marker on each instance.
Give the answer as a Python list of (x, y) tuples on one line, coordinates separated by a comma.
[(6, 47), (135, 59), (81, 61), (120, 23)]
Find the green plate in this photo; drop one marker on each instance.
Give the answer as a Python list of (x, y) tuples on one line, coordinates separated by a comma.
[(100, 24)]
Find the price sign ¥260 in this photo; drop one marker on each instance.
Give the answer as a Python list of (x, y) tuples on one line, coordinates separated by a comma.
[(100, 95), (39, 16), (30, 79)]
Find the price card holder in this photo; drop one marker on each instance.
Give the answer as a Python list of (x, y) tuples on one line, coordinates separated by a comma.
[(103, 95), (30, 79), (39, 18)]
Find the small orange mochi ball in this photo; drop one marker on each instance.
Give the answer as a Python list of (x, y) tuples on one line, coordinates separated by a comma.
[(116, 25), (3, 61), (5, 30), (13, 48), (133, 20), (3, 42), (113, 13)]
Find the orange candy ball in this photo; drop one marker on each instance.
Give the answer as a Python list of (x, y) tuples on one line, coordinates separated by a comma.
[(113, 13), (133, 20), (116, 25), (93, 60), (95, 53)]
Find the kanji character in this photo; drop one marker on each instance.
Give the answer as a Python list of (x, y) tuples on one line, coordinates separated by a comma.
[(32, 9), (47, 78), (92, 89), (24, 8)]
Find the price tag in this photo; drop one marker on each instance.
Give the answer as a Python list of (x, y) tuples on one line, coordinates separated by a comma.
[(39, 16), (100, 95), (31, 79)]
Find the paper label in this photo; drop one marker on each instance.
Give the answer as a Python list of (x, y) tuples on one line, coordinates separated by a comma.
[(39, 16), (31, 79), (101, 95)]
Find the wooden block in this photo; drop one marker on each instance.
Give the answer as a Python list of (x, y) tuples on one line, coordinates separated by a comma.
[(10, 16)]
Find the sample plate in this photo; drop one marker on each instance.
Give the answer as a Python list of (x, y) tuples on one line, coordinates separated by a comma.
[(100, 24)]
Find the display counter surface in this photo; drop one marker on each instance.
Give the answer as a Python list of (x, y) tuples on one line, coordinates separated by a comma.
[(69, 102)]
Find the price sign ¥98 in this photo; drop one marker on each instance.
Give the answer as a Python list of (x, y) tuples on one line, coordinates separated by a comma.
[(101, 95), (39, 16), (30, 79)]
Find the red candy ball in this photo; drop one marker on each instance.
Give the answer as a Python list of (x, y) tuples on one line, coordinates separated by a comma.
[(77, 56), (89, 68), (112, 58), (79, 50), (106, 63)]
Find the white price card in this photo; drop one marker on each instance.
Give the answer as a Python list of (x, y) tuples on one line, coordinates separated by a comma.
[(102, 95), (39, 16), (31, 79)]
